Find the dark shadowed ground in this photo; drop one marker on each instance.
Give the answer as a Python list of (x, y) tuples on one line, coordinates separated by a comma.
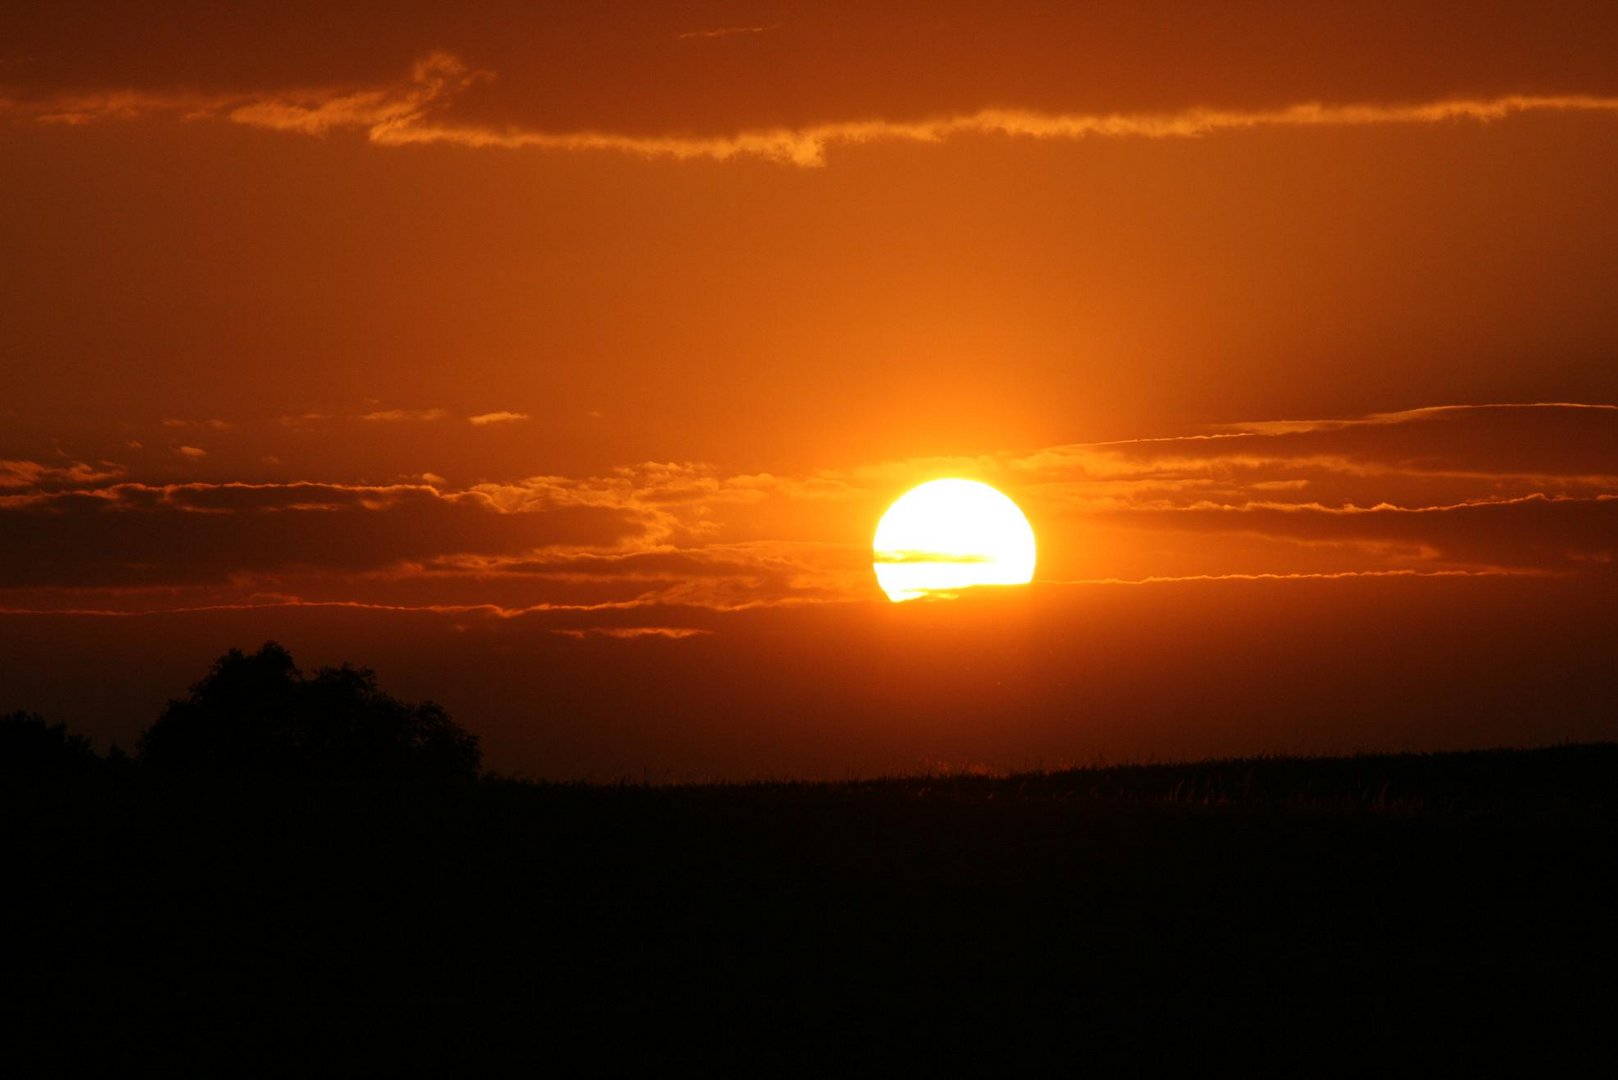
[(1297, 914)]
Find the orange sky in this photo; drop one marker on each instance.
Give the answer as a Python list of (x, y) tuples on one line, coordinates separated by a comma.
[(558, 364)]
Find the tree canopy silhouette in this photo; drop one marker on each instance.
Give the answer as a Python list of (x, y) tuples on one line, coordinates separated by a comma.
[(31, 747), (258, 714)]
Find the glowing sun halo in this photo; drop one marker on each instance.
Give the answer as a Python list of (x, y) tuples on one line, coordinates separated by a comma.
[(948, 535)]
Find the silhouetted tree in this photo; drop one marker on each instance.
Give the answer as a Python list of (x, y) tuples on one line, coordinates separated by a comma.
[(258, 714), (31, 747)]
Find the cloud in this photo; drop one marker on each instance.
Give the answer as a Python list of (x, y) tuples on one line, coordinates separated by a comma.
[(1531, 534), (394, 416), (501, 417), (419, 111), (207, 425), (930, 558), (1385, 419), (715, 576), (1457, 491), (1524, 487), (658, 537), (720, 32), (807, 146), (1500, 450), (630, 632), (274, 603), (1340, 575), (143, 535), (32, 474), (192, 452)]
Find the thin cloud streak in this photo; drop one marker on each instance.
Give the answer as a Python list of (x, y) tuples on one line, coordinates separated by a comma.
[(1169, 579), (503, 613), (1351, 509), (494, 610), (1425, 412), (808, 146), (720, 32), (411, 113), (673, 633), (394, 416)]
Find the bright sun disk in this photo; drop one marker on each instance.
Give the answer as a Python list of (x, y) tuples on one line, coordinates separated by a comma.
[(949, 535)]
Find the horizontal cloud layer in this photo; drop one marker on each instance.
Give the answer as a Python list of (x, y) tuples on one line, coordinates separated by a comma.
[(1467, 490), (137, 534)]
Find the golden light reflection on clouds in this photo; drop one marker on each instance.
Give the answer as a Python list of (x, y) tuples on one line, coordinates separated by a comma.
[(1442, 491), (413, 112)]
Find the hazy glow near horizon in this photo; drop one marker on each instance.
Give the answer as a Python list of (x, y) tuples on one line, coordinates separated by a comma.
[(949, 535)]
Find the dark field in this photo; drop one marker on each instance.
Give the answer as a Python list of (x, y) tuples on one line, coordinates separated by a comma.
[(1425, 910)]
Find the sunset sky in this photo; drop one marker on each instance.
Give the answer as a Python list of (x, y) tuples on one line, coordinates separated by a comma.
[(557, 361)]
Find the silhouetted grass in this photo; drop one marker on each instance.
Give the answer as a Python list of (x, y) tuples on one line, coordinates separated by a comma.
[(1298, 909)]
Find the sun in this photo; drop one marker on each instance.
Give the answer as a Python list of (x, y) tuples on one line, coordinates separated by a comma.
[(949, 535)]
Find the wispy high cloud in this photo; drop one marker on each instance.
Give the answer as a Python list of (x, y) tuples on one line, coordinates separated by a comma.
[(420, 111), (720, 32), (394, 416), (1404, 416), (202, 425), (630, 632)]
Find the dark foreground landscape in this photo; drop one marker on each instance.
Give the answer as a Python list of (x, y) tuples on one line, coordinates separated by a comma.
[(1442, 908)]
